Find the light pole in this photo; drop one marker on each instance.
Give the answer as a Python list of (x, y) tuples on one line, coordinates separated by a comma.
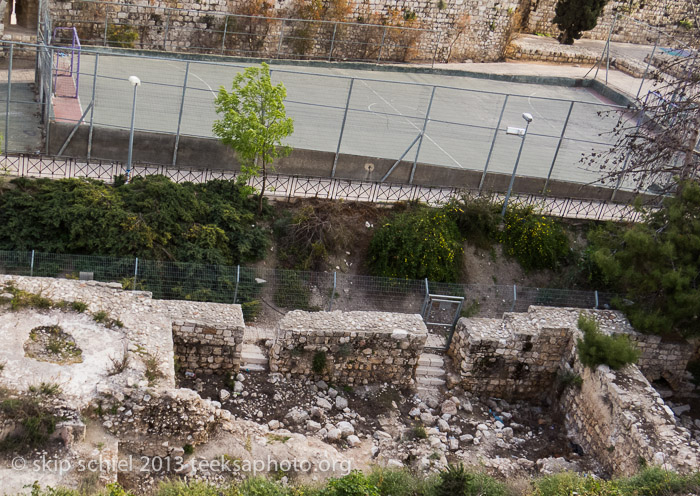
[(135, 82), (522, 133)]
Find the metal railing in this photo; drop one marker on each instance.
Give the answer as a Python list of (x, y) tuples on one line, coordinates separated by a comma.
[(260, 289), (283, 187)]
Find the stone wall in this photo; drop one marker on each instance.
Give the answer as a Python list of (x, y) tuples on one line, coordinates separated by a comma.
[(204, 348), (616, 416), (455, 29), (509, 358), (148, 323), (520, 355), (619, 418), (664, 14), (359, 347)]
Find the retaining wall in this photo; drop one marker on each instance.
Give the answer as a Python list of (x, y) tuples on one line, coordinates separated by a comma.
[(358, 347)]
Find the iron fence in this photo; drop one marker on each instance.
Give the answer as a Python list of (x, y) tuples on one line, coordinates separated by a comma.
[(261, 290), (283, 187), (456, 127)]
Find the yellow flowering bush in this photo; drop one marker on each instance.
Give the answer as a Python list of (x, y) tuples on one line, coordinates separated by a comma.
[(535, 241), (416, 244)]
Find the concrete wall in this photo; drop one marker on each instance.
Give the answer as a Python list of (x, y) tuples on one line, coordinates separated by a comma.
[(359, 347), (202, 153)]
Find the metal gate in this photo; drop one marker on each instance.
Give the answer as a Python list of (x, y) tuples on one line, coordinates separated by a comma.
[(441, 312)]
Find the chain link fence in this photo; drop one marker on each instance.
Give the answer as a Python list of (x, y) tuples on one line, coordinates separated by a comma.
[(400, 121), (268, 291)]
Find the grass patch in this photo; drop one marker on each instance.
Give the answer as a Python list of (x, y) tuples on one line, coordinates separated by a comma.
[(35, 421), (153, 372), (278, 438)]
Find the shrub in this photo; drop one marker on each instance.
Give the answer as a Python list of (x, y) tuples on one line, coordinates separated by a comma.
[(78, 306), (292, 291), (122, 36), (353, 484), (36, 420), (477, 220), (419, 432), (260, 486), (457, 481), (597, 348), (400, 482), (655, 481), (189, 488), (318, 364), (416, 244), (535, 241)]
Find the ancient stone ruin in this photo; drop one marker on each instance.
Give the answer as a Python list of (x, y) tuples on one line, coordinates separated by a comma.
[(175, 377)]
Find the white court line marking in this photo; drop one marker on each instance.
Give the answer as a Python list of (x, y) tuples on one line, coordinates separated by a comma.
[(412, 124), (195, 75)]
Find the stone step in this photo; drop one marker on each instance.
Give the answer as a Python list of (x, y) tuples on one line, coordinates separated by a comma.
[(428, 371), (429, 381), (253, 367), (431, 360), (252, 357)]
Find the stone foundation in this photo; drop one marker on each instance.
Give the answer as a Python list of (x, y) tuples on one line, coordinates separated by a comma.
[(359, 347), (620, 418), (617, 416), (205, 348), (509, 358)]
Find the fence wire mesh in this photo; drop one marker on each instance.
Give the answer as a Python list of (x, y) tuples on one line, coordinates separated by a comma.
[(455, 127), (260, 289)]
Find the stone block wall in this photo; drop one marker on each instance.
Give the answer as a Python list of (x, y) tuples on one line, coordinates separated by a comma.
[(620, 418), (205, 348), (455, 29), (509, 358), (520, 355), (360, 347), (664, 14)]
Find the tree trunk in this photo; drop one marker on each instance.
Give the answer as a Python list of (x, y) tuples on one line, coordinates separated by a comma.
[(262, 188)]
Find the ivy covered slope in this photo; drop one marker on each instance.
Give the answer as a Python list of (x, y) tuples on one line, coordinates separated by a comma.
[(656, 265), (151, 218)]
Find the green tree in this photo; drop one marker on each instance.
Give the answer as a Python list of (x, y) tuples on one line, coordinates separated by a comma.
[(656, 264), (576, 16), (254, 122)]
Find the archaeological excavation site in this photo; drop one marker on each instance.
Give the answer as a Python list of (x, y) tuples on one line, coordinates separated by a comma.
[(154, 389)]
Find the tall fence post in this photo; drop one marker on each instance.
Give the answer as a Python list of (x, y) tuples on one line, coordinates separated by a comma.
[(342, 127), (238, 278), (279, 45), (223, 39), (422, 133), (92, 110), (426, 299), (179, 118), (515, 297), (167, 28), (437, 45), (607, 66), (493, 143), (556, 152), (596, 298), (651, 59), (335, 280), (136, 272), (47, 124), (104, 38), (31, 266), (7, 103), (330, 52), (381, 45)]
